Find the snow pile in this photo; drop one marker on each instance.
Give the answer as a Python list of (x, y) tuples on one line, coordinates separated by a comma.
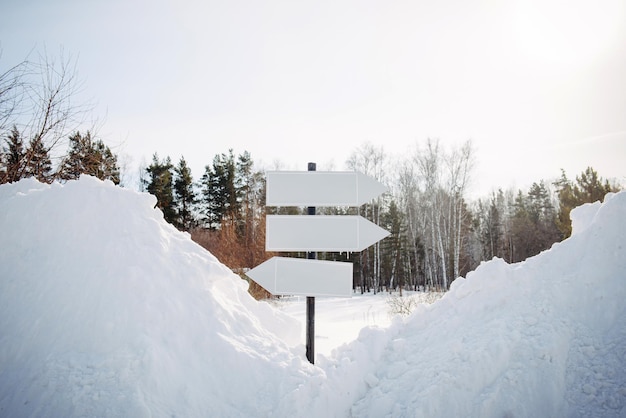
[(546, 337), (106, 310)]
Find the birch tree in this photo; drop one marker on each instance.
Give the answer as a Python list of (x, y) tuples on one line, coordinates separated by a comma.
[(408, 201), (370, 160), (428, 162), (441, 180), (459, 163)]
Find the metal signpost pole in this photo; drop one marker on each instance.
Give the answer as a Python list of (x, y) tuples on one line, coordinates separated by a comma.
[(310, 300)]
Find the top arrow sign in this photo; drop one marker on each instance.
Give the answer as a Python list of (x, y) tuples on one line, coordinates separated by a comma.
[(321, 188)]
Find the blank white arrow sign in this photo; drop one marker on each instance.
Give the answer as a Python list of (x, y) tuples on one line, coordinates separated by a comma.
[(298, 276), (320, 233), (321, 188)]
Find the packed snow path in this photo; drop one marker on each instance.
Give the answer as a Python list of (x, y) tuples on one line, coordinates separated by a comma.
[(106, 310)]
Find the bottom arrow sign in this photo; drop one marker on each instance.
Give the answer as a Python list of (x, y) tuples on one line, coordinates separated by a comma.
[(298, 276)]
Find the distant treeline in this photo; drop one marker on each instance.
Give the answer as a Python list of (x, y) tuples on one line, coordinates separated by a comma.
[(436, 233)]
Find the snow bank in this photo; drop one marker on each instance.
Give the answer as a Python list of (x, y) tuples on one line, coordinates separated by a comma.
[(545, 337), (107, 310)]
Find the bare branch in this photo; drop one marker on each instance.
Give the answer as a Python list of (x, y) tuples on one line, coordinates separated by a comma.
[(12, 89)]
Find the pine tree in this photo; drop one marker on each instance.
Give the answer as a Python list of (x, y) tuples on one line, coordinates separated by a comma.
[(567, 201), (159, 183), (87, 156), (184, 195), (38, 163), (220, 197), (534, 223), (249, 192), (491, 228), (106, 167), (589, 188), (74, 164), (394, 248), (543, 216), (250, 195), (522, 229), (14, 157)]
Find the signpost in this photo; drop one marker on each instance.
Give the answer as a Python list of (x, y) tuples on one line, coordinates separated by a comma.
[(310, 277)]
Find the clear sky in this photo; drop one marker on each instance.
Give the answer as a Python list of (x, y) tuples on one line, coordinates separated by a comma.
[(538, 85)]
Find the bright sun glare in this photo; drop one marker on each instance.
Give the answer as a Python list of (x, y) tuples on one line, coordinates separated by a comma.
[(566, 33)]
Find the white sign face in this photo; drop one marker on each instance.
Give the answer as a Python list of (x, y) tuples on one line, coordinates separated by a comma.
[(320, 233), (298, 276), (321, 188)]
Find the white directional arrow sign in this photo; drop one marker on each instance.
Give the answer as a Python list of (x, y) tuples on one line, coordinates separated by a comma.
[(298, 276), (321, 188), (320, 233)]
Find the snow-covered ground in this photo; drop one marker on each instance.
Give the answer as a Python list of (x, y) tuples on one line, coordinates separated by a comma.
[(338, 321), (106, 310)]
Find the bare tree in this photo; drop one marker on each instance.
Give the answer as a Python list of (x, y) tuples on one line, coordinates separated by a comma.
[(428, 163), (441, 181), (12, 90), (407, 196), (39, 99), (459, 163), (55, 113), (370, 160)]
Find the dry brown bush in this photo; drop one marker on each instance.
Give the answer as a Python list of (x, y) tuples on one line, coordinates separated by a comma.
[(237, 252)]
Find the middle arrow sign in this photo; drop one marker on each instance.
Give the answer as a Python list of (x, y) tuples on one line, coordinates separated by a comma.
[(321, 233)]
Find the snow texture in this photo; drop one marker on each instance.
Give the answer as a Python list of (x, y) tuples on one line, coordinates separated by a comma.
[(107, 310)]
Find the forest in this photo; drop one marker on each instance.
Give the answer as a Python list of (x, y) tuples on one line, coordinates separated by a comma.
[(437, 232)]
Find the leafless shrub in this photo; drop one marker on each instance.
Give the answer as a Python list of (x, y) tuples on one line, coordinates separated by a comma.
[(404, 305)]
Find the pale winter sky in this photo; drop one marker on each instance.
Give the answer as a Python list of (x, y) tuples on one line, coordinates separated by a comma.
[(538, 85)]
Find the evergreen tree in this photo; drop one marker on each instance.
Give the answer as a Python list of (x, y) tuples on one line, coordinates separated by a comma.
[(77, 158), (106, 167), (220, 196), (394, 248), (250, 196), (185, 196), (543, 216), (538, 204), (159, 183), (491, 228), (13, 161), (589, 188), (533, 225), (38, 163), (87, 156), (567, 201), (245, 183), (522, 230)]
